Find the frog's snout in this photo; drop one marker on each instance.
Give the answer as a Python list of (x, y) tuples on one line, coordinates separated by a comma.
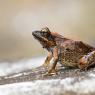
[(34, 33)]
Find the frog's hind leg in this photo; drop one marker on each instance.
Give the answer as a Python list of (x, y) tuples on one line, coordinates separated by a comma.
[(92, 65), (87, 61)]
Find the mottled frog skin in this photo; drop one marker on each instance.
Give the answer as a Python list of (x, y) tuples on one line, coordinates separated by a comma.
[(66, 51)]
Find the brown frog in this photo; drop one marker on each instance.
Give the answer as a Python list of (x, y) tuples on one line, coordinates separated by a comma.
[(66, 51)]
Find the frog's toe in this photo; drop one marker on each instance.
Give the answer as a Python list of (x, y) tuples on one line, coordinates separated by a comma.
[(50, 73), (84, 69), (47, 74)]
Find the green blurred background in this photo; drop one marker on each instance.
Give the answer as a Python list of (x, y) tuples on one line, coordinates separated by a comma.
[(18, 18)]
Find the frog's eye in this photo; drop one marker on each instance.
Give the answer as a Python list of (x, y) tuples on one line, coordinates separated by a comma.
[(45, 29)]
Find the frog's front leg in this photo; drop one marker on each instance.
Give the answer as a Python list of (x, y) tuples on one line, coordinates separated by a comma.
[(47, 60), (52, 70)]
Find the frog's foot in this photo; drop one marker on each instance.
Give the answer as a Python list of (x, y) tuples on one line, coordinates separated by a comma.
[(51, 72), (84, 69), (45, 65)]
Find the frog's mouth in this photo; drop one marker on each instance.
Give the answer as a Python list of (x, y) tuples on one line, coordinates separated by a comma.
[(37, 35)]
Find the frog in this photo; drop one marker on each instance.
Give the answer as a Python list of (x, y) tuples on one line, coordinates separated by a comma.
[(62, 50)]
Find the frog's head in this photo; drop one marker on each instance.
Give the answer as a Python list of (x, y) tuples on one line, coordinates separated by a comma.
[(45, 37)]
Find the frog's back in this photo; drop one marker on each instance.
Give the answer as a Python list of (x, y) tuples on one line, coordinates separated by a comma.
[(71, 51)]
